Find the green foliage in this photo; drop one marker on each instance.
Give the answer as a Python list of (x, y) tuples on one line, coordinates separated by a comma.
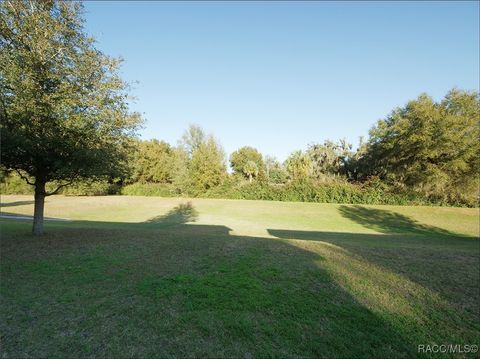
[(180, 171), (430, 147), (198, 163), (192, 139), (386, 170), (299, 165), (207, 168), (329, 158), (148, 189), (12, 183), (372, 192), (64, 112), (154, 161), (355, 167), (278, 175), (251, 170), (247, 161), (275, 172), (63, 106), (91, 188)]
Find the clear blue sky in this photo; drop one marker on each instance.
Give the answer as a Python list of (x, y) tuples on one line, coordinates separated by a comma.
[(281, 75)]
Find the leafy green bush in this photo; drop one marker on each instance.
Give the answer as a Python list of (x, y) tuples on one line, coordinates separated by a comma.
[(149, 189), (310, 191), (227, 189), (91, 188)]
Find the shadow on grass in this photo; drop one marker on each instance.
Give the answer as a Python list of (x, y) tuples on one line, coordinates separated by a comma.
[(181, 214), (426, 255), (190, 289), (195, 289), (14, 204), (389, 222)]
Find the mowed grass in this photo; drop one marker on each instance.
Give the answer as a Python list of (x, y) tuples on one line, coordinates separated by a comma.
[(153, 277)]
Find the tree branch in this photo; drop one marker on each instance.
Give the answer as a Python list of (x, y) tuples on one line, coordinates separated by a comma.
[(24, 178), (58, 188)]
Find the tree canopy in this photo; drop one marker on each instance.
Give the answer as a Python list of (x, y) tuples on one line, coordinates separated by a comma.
[(429, 146), (330, 158), (299, 165), (244, 161), (192, 139), (153, 161)]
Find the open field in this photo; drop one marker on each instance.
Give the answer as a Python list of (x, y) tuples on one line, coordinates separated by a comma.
[(153, 277)]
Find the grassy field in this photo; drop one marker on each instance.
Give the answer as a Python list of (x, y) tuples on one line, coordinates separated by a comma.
[(153, 277)]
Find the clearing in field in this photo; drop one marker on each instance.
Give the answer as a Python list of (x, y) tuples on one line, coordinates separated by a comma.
[(135, 276)]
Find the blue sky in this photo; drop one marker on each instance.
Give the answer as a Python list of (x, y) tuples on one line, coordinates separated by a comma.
[(281, 75)]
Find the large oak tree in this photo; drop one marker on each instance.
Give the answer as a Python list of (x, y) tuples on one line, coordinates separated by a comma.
[(430, 146), (63, 107)]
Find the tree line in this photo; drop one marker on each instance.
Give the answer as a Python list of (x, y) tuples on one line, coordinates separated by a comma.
[(426, 148), (425, 152)]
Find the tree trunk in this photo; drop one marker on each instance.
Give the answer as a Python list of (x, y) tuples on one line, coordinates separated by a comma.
[(250, 177), (39, 206)]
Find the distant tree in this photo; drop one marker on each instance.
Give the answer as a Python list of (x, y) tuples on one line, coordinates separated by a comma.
[(299, 165), (192, 139), (269, 162), (274, 170), (239, 161), (429, 146), (207, 168), (63, 106), (153, 161), (330, 158)]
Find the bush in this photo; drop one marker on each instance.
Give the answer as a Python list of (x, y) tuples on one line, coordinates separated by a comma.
[(91, 188), (310, 191), (149, 189)]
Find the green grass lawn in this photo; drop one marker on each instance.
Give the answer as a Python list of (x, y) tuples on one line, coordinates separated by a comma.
[(154, 277)]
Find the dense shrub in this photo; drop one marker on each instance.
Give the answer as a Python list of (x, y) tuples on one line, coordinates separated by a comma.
[(373, 191), (309, 191), (91, 188), (149, 189)]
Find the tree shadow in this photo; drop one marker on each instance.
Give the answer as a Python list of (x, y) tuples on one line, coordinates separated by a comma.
[(431, 257), (17, 203), (232, 294), (181, 214), (390, 222)]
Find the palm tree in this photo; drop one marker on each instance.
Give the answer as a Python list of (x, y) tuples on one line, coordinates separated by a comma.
[(251, 169)]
